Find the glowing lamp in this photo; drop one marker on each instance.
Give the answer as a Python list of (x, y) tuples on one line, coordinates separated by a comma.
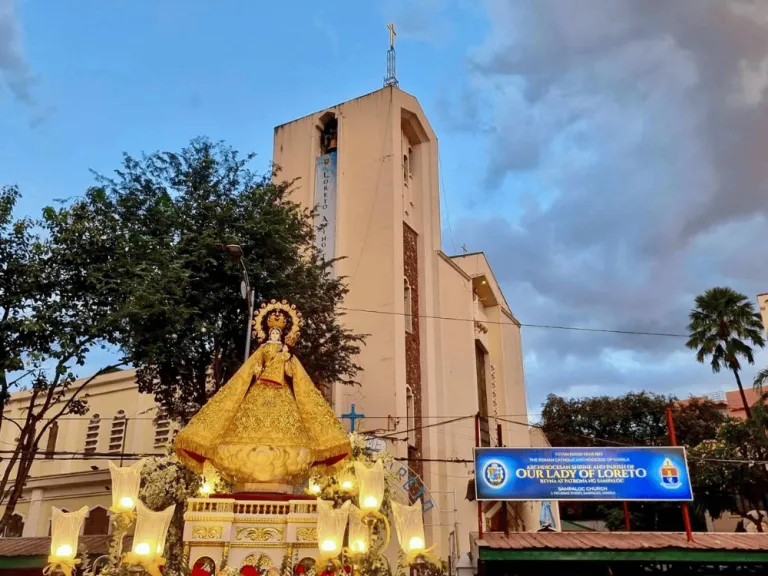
[(206, 489), (65, 531), (371, 485), (314, 487), (331, 524), (125, 486), (358, 532), (64, 551), (151, 531), (328, 545), (347, 480), (409, 523)]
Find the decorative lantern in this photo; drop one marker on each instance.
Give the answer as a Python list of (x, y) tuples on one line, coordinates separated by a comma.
[(346, 480), (409, 523), (125, 488), (371, 486), (331, 524), (313, 487), (149, 538), (65, 531), (358, 532), (209, 480)]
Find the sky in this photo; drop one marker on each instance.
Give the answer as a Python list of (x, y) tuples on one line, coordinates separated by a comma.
[(607, 155)]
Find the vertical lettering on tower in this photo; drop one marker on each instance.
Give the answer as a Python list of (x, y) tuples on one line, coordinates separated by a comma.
[(325, 202)]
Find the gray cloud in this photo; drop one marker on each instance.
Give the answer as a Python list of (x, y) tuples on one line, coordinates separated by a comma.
[(645, 123), (15, 72)]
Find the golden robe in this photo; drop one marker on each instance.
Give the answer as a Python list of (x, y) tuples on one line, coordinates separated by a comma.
[(257, 430)]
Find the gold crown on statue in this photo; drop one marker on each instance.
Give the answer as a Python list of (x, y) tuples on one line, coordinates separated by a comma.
[(275, 315), (277, 320)]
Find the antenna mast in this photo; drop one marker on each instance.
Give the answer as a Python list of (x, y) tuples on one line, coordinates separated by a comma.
[(391, 79)]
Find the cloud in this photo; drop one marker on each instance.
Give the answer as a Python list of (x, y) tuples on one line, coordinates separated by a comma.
[(643, 124), (15, 71), (424, 21), (322, 26)]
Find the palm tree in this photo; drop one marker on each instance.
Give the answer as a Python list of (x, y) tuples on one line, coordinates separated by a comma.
[(724, 327), (761, 379)]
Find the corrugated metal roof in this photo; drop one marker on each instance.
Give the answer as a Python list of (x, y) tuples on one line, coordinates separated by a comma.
[(96, 545), (622, 541)]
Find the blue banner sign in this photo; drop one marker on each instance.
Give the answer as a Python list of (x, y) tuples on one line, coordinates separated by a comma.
[(657, 473)]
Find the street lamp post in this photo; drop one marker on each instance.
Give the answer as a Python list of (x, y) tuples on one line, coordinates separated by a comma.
[(235, 253)]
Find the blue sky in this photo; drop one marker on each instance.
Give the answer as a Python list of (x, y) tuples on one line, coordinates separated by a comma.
[(608, 155)]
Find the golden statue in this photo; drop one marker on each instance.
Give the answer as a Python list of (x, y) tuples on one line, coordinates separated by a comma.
[(268, 425)]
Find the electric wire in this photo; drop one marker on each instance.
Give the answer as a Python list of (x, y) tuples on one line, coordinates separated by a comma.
[(522, 324)]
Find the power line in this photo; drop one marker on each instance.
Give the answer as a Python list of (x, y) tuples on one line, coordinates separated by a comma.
[(545, 326)]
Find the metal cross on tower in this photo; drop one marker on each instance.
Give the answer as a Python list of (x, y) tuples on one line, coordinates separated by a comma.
[(391, 79), (353, 417)]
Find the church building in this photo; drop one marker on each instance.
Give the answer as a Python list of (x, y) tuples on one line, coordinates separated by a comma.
[(443, 342)]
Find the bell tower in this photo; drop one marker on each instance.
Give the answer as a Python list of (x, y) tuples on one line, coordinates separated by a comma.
[(370, 167)]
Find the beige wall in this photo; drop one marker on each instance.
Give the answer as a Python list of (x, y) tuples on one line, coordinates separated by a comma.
[(72, 483), (762, 304)]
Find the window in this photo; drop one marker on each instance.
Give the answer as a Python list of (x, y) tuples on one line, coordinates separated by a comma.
[(117, 435), (329, 130), (15, 527), (92, 434), (406, 169), (162, 430), (53, 434), (410, 411), (407, 305), (96, 523)]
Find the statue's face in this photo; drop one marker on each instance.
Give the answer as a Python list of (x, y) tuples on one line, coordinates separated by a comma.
[(274, 335)]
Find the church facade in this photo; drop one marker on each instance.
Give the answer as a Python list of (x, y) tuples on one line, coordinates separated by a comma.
[(443, 343)]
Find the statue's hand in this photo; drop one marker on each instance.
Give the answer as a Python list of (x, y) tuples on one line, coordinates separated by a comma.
[(285, 349)]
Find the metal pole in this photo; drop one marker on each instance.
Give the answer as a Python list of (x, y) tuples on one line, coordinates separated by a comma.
[(249, 298), (504, 515), (249, 328), (626, 517), (673, 442), (479, 504)]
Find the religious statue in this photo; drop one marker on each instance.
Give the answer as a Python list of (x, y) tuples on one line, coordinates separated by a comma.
[(269, 425)]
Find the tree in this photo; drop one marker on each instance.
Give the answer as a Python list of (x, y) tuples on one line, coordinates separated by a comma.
[(726, 472), (55, 306), (635, 419), (169, 215), (761, 379), (724, 327)]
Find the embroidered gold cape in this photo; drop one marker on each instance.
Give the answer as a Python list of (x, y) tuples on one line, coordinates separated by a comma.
[(257, 430)]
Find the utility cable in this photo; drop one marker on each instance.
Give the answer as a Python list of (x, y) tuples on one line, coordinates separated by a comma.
[(524, 325)]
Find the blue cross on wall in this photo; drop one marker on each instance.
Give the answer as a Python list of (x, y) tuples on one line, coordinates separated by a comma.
[(353, 417)]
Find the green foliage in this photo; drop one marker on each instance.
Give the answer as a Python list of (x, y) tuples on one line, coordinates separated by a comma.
[(55, 307), (164, 219), (635, 419), (725, 471), (761, 379), (724, 327)]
